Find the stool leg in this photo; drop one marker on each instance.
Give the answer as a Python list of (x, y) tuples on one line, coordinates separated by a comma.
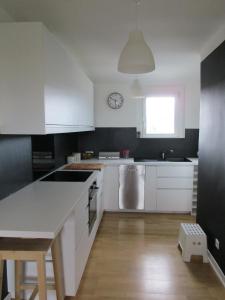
[(58, 270), (205, 258), (41, 277), (18, 279), (1, 275)]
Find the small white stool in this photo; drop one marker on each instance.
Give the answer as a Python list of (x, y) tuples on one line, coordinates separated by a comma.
[(192, 241)]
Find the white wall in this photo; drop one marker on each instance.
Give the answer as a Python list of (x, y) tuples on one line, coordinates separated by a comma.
[(130, 114), (213, 42), (4, 17)]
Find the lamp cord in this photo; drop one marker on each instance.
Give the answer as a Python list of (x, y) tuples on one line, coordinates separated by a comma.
[(138, 3)]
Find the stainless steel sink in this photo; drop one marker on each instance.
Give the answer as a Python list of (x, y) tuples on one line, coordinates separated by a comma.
[(178, 159), (170, 159)]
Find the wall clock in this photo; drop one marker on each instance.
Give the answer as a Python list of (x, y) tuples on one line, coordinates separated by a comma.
[(115, 100)]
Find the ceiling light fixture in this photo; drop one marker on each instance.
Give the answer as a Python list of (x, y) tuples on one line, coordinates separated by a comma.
[(136, 57), (136, 90)]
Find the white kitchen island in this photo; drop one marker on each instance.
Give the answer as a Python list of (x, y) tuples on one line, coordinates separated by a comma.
[(40, 209), (46, 210)]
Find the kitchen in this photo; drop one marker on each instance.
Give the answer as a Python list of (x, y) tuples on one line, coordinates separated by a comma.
[(62, 94)]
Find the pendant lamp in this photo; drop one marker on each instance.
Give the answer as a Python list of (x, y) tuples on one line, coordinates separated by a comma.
[(136, 57)]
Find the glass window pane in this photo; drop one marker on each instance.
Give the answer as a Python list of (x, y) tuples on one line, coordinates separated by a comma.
[(160, 115)]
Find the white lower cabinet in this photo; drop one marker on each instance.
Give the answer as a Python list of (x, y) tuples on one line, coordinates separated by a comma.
[(111, 188), (174, 186), (77, 241), (168, 188)]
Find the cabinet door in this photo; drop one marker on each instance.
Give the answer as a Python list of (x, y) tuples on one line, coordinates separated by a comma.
[(68, 255), (81, 257), (174, 200), (81, 218), (150, 188), (68, 91), (111, 188)]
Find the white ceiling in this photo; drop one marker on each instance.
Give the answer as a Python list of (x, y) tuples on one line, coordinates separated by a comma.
[(96, 31)]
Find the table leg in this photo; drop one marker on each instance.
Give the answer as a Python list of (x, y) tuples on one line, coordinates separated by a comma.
[(41, 277), (1, 274), (58, 269), (18, 279)]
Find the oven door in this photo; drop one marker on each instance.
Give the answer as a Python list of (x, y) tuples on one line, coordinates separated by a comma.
[(92, 210)]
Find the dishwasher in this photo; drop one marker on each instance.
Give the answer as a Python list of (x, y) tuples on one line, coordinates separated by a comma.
[(131, 187)]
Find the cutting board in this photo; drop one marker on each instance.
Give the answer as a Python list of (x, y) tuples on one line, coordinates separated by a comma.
[(81, 166)]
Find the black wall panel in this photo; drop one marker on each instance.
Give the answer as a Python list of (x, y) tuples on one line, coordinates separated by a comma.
[(15, 163), (15, 170), (211, 197), (116, 139)]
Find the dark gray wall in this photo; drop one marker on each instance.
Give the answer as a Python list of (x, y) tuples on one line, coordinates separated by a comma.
[(15, 170), (211, 197), (116, 139), (15, 163)]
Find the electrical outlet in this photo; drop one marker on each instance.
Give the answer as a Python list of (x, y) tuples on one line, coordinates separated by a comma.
[(217, 244)]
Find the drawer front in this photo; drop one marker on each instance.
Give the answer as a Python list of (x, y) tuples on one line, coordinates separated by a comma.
[(174, 183), (81, 257), (175, 171), (81, 219), (174, 200)]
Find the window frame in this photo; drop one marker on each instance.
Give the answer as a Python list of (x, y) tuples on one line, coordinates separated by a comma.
[(179, 115)]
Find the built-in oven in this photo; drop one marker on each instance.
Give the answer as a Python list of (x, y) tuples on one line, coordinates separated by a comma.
[(92, 205)]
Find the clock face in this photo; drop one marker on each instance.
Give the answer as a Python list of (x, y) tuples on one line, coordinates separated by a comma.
[(115, 100)]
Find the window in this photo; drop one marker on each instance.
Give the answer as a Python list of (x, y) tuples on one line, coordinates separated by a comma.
[(163, 117)]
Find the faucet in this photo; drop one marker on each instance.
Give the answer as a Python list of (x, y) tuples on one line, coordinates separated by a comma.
[(164, 153)]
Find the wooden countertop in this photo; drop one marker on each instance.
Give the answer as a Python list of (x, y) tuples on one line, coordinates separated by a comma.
[(85, 166)]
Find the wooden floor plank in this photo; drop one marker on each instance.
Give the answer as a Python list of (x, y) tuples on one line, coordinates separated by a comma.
[(135, 257)]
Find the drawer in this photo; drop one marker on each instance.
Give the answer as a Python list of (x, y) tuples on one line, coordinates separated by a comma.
[(175, 171), (174, 200), (174, 183)]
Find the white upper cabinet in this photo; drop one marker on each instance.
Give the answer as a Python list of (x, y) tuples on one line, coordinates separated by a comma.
[(43, 89)]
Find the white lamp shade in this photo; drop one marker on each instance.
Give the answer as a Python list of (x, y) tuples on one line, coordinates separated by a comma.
[(136, 57)]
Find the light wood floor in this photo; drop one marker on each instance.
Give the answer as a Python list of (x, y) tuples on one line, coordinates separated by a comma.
[(135, 257)]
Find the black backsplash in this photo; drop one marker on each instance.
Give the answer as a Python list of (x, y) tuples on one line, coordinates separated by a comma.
[(64, 145), (60, 145), (116, 139), (15, 170)]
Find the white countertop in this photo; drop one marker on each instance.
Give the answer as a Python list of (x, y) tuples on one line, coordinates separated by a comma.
[(40, 209), (122, 161)]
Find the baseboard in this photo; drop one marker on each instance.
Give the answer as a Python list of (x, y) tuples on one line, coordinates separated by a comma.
[(216, 268), (8, 297)]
